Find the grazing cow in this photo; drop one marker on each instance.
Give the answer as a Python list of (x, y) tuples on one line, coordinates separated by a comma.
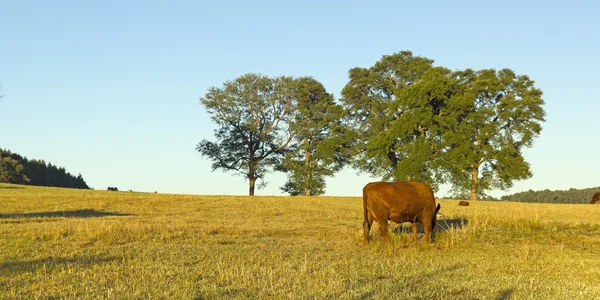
[(596, 198), (407, 201), (463, 203)]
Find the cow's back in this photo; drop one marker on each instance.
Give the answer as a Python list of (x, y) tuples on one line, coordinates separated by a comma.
[(400, 200), (406, 201)]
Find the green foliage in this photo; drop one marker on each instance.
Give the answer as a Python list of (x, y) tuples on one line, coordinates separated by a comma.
[(11, 171), (252, 114), (414, 121), (319, 148), (37, 172), (574, 196), (401, 119), (113, 189), (395, 109), (497, 113)]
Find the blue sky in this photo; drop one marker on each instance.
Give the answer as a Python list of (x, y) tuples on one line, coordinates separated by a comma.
[(110, 89)]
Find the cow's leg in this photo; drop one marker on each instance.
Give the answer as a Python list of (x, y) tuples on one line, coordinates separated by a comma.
[(383, 228), (382, 219), (368, 222), (415, 228), (366, 229), (427, 228)]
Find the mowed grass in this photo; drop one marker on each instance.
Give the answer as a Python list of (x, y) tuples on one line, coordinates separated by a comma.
[(80, 244)]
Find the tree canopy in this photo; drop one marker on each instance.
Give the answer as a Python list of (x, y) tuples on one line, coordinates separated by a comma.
[(252, 114), (414, 121), (36, 172), (11, 171), (401, 119), (500, 113), (394, 124), (570, 196), (319, 148)]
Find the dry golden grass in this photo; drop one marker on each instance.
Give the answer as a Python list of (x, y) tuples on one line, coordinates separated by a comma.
[(79, 244)]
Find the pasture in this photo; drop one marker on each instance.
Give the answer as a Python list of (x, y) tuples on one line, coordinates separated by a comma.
[(80, 244)]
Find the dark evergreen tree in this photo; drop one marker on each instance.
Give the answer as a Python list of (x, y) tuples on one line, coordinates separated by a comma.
[(38, 173), (572, 196)]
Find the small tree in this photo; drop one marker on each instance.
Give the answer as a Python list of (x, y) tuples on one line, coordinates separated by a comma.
[(252, 115), (11, 171), (319, 148)]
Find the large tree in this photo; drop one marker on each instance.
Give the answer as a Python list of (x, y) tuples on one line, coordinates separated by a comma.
[(497, 114), (414, 121), (395, 109), (252, 114), (319, 148)]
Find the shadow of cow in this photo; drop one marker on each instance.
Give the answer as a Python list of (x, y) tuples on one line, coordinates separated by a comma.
[(442, 225)]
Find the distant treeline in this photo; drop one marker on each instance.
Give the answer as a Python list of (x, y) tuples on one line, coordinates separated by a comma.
[(547, 196), (18, 169)]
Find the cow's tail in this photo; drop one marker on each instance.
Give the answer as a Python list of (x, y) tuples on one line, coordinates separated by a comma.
[(366, 224)]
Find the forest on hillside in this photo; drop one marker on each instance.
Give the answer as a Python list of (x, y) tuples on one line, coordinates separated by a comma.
[(576, 196), (17, 169)]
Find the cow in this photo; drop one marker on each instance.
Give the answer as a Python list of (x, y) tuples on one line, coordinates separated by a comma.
[(406, 201), (596, 198), (463, 203)]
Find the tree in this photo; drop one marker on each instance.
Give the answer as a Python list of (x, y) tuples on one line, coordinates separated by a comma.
[(319, 148), (252, 114), (496, 115), (11, 171), (395, 109), (38, 173)]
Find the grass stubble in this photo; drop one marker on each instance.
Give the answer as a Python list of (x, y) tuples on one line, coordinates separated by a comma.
[(81, 244)]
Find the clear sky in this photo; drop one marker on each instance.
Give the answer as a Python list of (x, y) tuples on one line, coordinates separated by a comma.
[(110, 89)]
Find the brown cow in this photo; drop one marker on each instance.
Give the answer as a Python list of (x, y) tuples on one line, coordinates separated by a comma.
[(406, 201), (596, 198)]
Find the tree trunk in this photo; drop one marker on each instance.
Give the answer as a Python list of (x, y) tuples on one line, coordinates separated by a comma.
[(474, 182), (251, 174), (252, 182), (308, 178)]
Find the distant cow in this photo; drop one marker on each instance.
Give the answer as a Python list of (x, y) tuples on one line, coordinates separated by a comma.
[(596, 198), (407, 201), (463, 203)]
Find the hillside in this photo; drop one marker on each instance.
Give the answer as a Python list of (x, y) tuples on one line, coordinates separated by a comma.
[(19, 169), (67, 243)]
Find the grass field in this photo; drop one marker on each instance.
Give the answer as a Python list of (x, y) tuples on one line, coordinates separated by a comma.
[(80, 244)]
